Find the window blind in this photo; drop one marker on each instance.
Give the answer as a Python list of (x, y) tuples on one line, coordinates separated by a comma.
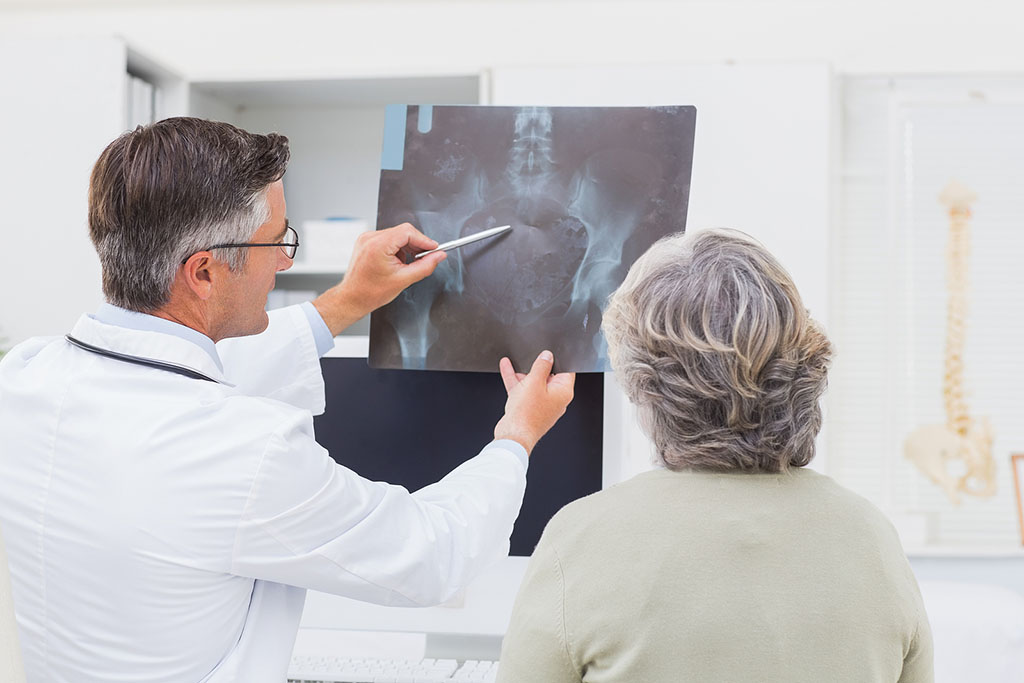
[(903, 141)]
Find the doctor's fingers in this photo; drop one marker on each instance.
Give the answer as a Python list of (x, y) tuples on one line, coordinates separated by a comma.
[(412, 273), (509, 376), (542, 367), (562, 386), (406, 237), (563, 380)]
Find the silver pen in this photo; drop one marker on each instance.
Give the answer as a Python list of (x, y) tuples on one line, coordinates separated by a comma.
[(468, 239)]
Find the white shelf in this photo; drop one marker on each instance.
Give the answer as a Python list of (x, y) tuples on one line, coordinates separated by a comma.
[(462, 88), (965, 551), (306, 269)]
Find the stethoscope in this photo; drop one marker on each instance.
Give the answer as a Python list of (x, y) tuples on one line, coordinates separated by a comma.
[(136, 360)]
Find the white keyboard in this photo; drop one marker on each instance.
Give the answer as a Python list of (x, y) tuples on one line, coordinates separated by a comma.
[(328, 669)]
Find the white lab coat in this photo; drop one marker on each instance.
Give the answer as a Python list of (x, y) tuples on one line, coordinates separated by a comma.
[(162, 528)]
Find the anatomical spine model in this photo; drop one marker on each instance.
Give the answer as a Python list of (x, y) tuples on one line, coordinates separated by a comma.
[(957, 455)]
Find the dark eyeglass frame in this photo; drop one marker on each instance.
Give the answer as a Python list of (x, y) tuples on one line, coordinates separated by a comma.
[(289, 247)]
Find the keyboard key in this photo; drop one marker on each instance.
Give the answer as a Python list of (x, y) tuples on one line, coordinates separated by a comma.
[(328, 669)]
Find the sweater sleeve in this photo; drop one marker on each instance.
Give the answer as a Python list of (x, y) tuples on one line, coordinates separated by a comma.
[(919, 662), (537, 646)]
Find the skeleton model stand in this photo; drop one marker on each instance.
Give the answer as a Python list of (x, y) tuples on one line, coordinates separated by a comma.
[(957, 455)]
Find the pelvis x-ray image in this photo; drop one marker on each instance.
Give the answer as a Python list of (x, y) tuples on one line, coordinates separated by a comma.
[(586, 191)]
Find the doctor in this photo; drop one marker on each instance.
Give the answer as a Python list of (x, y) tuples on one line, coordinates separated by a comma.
[(165, 504)]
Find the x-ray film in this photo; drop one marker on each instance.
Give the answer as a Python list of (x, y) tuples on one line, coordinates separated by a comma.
[(586, 190)]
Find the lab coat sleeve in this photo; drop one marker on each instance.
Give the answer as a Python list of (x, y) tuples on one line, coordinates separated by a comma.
[(538, 647), (281, 363), (312, 523)]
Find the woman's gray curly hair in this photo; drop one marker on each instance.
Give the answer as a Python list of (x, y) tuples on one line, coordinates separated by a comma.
[(709, 338)]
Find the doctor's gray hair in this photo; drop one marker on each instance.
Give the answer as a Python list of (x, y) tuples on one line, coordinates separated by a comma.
[(711, 341), (162, 192)]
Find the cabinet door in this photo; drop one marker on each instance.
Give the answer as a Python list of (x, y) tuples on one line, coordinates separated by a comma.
[(761, 164), (61, 103)]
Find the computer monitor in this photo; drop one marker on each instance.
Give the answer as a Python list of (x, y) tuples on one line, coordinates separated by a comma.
[(412, 427)]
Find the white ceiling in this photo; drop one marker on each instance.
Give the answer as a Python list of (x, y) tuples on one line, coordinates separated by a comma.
[(98, 4)]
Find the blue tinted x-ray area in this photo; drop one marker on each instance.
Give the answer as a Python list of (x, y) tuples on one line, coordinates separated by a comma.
[(586, 191)]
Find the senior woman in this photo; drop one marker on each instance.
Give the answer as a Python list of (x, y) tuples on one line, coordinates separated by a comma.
[(731, 562)]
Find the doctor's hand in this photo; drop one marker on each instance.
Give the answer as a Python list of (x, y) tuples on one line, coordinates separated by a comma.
[(376, 274), (535, 401)]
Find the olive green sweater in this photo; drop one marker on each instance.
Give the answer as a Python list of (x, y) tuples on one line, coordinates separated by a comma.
[(710, 577)]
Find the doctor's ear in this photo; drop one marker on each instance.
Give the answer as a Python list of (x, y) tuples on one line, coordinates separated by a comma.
[(198, 273)]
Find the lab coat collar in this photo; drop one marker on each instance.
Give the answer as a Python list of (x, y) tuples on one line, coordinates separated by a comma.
[(149, 344), (133, 320)]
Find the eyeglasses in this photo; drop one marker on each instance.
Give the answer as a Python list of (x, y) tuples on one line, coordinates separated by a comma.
[(289, 244)]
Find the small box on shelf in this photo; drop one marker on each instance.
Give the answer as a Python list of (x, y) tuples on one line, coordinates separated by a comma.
[(326, 245), (279, 298)]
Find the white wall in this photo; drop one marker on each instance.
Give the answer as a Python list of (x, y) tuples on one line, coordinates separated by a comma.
[(306, 40), (327, 183), (73, 100)]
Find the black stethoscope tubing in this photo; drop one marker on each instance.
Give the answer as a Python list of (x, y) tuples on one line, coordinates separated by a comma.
[(136, 360)]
